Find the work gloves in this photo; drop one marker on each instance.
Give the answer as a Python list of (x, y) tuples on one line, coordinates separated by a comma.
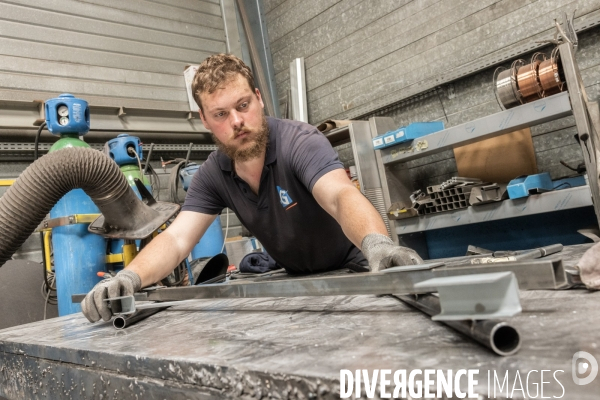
[(589, 267), (125, 283), (382, 253)]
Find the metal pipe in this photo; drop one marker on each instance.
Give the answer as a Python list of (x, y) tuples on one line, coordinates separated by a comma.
[(187, 157), (148, 159), (540, 252), (502, 338), (123, 321)]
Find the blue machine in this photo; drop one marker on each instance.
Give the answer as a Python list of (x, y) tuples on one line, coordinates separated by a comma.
[(78, 254), (212, 241)]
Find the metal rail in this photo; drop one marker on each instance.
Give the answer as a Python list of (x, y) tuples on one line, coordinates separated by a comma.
[(534, 113), (544, 274)]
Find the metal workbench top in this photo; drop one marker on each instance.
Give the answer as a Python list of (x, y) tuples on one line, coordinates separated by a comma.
[(287, 348)]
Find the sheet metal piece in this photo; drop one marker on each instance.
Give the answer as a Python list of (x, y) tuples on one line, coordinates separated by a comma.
[(479, 296)]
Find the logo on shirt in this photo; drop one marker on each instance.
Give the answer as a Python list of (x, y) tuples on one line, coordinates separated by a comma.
[(285, 199)]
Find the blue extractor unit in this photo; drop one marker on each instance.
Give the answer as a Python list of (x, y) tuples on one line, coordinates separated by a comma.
[(78, 254), (212, 241)]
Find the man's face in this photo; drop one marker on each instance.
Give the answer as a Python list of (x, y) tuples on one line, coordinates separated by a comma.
[(234, 115)]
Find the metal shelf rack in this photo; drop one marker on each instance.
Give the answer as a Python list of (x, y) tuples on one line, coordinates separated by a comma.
[(395, 182)]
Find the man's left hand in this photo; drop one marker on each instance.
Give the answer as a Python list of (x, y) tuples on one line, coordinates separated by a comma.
[(589, 267), (382, 253)]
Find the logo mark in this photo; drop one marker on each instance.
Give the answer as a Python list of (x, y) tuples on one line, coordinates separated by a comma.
[(584, 363), (284, 197)]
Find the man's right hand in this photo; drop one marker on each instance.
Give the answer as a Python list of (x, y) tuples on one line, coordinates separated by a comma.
[(125, 283)]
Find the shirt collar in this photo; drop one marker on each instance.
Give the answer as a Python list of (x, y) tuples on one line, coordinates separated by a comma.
[(225, 162)]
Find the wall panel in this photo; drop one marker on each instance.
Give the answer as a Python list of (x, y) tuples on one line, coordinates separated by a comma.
[(362, 56), (112, 52)]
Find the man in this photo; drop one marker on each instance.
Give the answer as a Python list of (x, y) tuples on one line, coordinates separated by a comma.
[(282, 179)]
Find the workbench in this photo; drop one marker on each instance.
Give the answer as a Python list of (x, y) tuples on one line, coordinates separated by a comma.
[(288, 348)]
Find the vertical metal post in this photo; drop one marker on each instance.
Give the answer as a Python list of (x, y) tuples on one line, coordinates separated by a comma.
[(298, 90), (589, 144), (230, 24), (396, 186), (253, 20), (368, 175)]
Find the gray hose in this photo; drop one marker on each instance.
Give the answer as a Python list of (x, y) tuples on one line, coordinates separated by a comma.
[(47, 180)]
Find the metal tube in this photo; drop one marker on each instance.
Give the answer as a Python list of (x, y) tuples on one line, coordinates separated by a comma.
[(187, 157), (148, 158), (123, 321), (540, 252), (502, 338)]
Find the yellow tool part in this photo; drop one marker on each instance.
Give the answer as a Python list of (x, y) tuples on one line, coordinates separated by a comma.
[(114, 258), (48, 249), (128, 254), (7, 182)]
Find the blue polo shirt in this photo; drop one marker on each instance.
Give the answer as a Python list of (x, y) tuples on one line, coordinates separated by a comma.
[(285, 217)]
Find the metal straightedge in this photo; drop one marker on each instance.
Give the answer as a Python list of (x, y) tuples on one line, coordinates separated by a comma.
[(545, 274), (477, 296)]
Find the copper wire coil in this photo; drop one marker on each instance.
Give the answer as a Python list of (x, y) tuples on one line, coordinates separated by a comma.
[(549, 75), (507, 90), (528, 83)]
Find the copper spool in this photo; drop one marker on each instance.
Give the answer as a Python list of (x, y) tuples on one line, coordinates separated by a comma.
[(549, 75), (527, 79)]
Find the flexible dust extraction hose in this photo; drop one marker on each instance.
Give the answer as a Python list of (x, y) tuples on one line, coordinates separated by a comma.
[(47, 180)]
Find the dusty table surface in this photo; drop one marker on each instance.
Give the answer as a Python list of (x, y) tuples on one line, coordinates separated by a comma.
[(289, 348)]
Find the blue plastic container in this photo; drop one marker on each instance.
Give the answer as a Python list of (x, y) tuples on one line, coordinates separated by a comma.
[(211, 243)]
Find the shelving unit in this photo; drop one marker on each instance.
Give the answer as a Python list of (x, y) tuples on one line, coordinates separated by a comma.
[(395, 182)]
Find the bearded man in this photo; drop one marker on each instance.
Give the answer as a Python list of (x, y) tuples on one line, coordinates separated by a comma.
[(282, 179)]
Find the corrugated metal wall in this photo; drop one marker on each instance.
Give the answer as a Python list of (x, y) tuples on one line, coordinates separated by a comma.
[(361, 52), (111, 52), (362, 55)]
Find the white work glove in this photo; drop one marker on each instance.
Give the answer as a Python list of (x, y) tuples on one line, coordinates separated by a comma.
[(589, 267), (125, 283), (382, 253)]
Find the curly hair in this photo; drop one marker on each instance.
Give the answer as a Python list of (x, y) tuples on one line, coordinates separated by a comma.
[(216, 70)]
